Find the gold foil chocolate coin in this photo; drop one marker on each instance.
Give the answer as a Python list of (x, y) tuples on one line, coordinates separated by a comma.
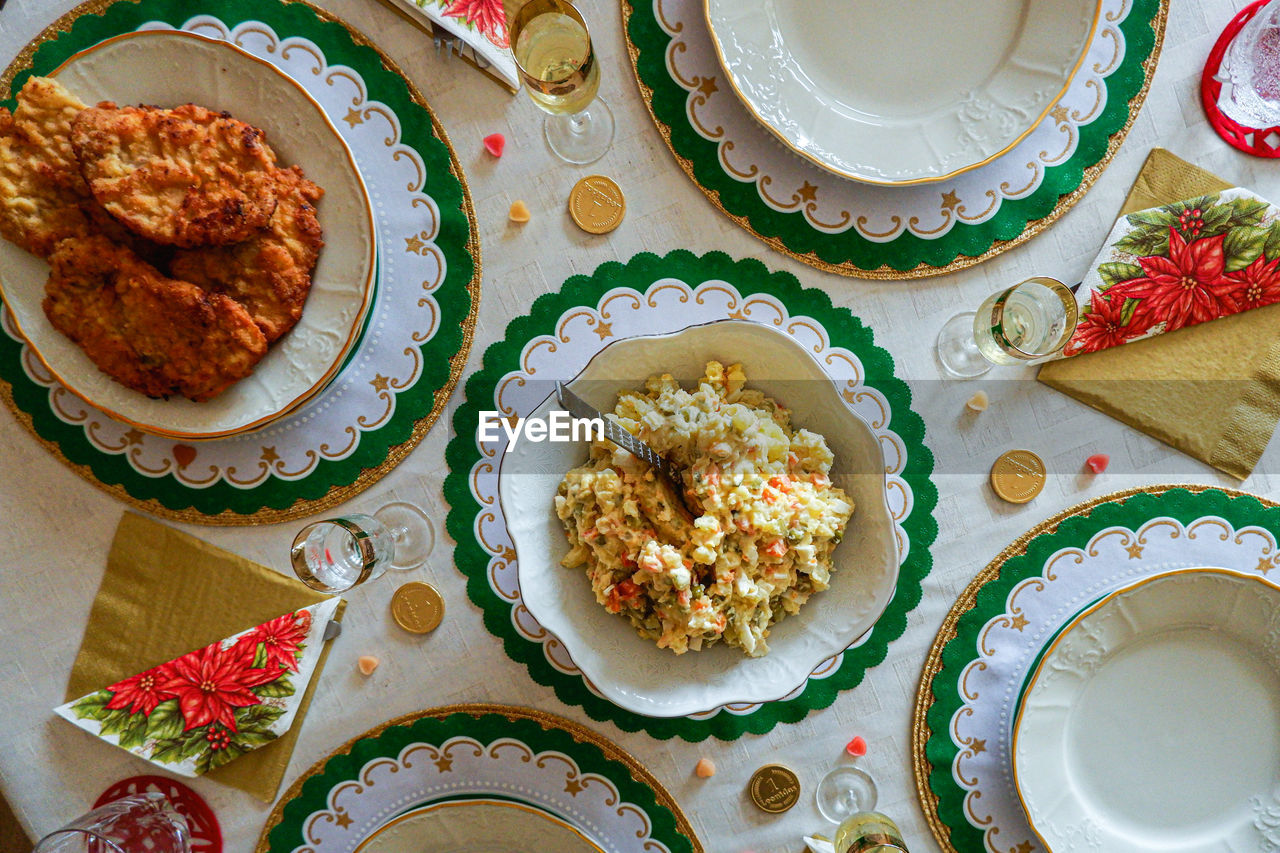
[(1018, 476), (596, 204), (774, 788), (417, 607)]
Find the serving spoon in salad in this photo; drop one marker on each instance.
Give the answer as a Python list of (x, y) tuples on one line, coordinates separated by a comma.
[(670, 473)]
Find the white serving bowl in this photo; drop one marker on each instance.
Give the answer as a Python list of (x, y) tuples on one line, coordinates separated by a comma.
[(633, 672)]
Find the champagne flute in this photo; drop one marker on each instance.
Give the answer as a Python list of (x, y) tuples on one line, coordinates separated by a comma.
[(335, 554), (1032, 320), (552, 49)]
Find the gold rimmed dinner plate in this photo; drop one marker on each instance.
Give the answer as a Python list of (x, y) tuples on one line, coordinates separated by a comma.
[(1152, 723), (168, 68), (900, 93), (476, 826)]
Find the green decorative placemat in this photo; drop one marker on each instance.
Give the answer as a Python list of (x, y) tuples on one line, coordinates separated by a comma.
[(395, 385), (466, 751), (897, 232), (650, 295), (995, 632)]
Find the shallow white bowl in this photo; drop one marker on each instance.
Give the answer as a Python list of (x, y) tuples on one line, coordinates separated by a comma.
[(168, 68), (633, 672), (904, 92)]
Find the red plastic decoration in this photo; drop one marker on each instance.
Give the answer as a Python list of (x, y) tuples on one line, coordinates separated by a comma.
[(206, 835), (1251, 140)]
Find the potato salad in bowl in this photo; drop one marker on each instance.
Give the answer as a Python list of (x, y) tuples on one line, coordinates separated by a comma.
[(758, 542)]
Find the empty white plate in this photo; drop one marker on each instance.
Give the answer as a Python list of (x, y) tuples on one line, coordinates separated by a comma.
[(476, 826), (1153, 722)]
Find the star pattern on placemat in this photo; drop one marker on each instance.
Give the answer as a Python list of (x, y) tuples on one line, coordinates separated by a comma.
[(1135, 551)]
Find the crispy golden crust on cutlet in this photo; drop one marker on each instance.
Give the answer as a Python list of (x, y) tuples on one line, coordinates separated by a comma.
[(153, 334), (182, 177), (270, 273), (41, 190)]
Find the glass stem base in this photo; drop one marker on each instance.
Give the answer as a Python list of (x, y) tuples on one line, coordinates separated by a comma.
[(957, 350), (583, 137), (411, 531)]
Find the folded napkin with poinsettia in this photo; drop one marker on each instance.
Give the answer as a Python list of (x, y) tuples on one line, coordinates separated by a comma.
[(1173, 266), (1188, 248), (165, 593), (197, 712)]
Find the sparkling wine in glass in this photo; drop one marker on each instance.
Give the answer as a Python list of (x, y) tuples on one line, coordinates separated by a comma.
[(869, 832), (552, 49), (141, 822), (335, 554), (1032, 320)]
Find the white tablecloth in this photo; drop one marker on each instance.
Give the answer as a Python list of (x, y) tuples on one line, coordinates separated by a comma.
[(60, 527)]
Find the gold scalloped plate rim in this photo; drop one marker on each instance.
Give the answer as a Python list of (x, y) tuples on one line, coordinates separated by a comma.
[(921, 270), (967, 600), (548, 721), (396, 454)]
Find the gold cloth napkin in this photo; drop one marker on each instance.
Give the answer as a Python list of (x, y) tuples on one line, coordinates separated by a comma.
[(1210, 390), (166, 593)]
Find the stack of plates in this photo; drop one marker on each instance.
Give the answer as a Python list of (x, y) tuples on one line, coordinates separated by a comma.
[(1151, 721), (169, 68), (901, 93)]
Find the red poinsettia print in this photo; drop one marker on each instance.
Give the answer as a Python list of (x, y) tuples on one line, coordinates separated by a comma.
[(1185, 288), (140, 693), (282, 639), (487, 16), (1104, 326), (211, 683), (1258, 284)]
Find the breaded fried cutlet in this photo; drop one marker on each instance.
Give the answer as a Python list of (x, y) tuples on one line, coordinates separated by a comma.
[(154, 334), (270, 273), (182, 177), (41, 190)]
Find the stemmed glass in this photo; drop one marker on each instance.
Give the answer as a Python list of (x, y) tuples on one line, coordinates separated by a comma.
[(138, 822), (1252, 66), (1032, 320), (845, 791), (335, 554), (552, 49)]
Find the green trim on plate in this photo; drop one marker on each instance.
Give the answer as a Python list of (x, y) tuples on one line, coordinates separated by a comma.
[(908, 250), (417, 132), (1074, 532), (748, 276), (288, 834)]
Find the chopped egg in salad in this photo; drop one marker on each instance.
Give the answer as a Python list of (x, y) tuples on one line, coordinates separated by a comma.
[(767, 515)]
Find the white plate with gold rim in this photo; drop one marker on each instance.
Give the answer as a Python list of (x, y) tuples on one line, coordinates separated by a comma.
[(905, 92), (1153, 721), (476, 826), (169, 68)]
